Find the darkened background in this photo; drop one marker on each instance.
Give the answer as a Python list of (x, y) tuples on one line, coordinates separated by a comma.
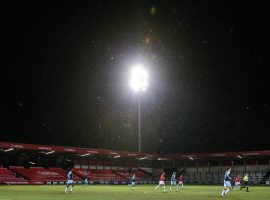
[(65, 65)]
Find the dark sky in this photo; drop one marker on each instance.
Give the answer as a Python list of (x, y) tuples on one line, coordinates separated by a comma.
[(65, 66)]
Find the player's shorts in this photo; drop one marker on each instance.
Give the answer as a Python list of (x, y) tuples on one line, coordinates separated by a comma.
[(133, 183), (161, 183), (86, 181), (173, 182), (227, 184), (237, 183), (180, 182), (246, 183), (70, 182)]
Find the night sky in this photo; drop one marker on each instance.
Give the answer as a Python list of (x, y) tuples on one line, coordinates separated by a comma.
[(65, 67)]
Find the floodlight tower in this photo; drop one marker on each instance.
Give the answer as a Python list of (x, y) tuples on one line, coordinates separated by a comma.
[(139, 84)]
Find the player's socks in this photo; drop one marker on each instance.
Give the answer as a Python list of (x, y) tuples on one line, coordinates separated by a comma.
[(66, 190), (222, 193), (228, 189)]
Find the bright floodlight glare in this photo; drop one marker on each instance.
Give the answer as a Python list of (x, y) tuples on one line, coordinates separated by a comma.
[(139, 79)]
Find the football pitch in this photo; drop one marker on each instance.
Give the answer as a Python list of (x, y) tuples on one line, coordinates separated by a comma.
[(124, 192)]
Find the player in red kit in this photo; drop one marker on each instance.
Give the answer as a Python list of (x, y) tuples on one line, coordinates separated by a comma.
[(237, 182), (181, 181), (161, 182)]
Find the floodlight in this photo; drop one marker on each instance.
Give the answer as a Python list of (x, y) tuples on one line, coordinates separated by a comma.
[(139, 79), (139, 83), (10, 149), (50, 152)]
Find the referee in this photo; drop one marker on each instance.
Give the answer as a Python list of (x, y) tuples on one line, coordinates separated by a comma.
[(245, 185)]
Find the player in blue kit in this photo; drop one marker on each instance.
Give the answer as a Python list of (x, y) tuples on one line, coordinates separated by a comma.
[(227, 183), (70, 181), (173, 180), (86, 178), (133, 181)]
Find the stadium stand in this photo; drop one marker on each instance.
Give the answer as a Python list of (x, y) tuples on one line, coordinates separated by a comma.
[(256, 177), (8, 177), (117, 167), (105, 175), (41, 175), (54, 174)]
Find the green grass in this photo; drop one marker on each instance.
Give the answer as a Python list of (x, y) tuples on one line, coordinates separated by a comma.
[(123, 192)]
